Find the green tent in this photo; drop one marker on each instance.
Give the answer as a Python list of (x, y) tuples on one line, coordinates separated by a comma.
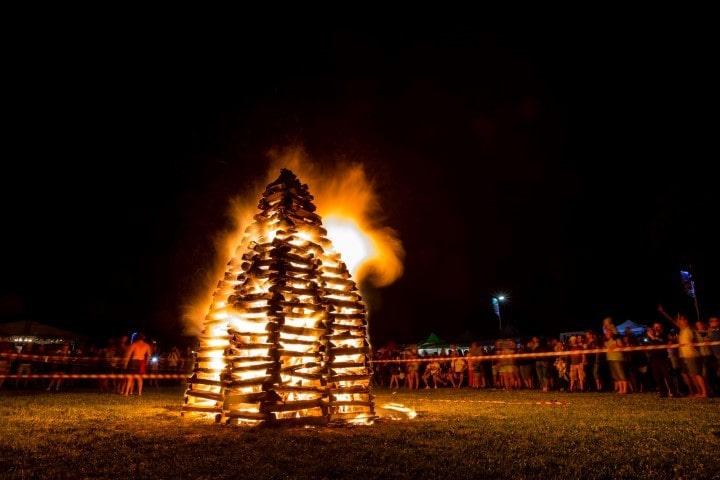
[(433, 341)]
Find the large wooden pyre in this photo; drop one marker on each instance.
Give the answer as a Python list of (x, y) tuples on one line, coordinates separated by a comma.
[(285, 338)]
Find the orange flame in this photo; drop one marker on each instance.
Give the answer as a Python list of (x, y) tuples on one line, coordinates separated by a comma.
[(351, 213)]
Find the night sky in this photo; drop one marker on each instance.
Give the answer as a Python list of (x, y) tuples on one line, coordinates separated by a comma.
[(570, 169)]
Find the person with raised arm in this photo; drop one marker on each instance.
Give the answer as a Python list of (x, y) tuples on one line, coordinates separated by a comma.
[(689, 353)]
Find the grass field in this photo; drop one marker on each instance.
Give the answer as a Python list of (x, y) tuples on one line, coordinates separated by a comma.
[(457, 434)]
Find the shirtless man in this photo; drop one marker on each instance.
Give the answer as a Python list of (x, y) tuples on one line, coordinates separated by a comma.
[(136, 358)]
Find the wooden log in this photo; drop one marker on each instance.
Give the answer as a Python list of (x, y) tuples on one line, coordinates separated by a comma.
[(213, 323), (257, 335), (318, 233), (292, 260), (303, 198), (337, 351), (285, 389), (355, 303), (307, 376), (334, 257), (204, 357), (205, 349), (302, 331), (334, 271), (202, 409), (306, 215), (338, 365), (254, 397), (243, 358), (342, 417), (351, 390), (250, 257), (339, 283), (293, 304), (349, 403), (306, 365), (263, 261), (206, 371), (251, 310), (273, 325), (350, 378), (235, 346), (338, 293), (218, 397), (256, 297), (294, 271), (240, 366), (297, 342), (258, 323), (345, 335), (283, 289), (194, 380), (295, 354), (288, 406), (290, 290), (353, 331), (257, 273), (242, 415), (337, 316), (239, 383), (299, 316), (261, 248)]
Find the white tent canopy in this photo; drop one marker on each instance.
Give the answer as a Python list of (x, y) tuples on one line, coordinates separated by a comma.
[(25, 331), (635, 328)]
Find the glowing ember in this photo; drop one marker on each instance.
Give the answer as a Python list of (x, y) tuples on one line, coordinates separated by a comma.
[(285, 338), (408, 412)]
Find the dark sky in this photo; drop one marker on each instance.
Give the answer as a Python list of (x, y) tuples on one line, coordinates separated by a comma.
[(569, 168)]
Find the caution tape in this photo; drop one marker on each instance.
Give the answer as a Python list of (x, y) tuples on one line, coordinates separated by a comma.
[(504, 402), (72, 376), (65, 359), (80, 361), (492, 356)]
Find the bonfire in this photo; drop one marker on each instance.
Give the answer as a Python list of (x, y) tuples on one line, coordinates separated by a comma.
[(285, 338)]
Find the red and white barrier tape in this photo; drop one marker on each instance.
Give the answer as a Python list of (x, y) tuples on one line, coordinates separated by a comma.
[(492, 356), (62, 358), (70, 376), (497, 401)]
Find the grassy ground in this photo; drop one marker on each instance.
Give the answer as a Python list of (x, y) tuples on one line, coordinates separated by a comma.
[(457, 434)]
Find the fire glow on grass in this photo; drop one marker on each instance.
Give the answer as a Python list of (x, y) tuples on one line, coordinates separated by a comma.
[(285, 338)]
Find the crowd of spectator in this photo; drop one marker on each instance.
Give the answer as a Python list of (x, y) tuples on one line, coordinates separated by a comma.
[(45, 365), (663, 361)]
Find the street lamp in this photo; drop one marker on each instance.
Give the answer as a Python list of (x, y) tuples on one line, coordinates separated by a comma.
[(496, 308)]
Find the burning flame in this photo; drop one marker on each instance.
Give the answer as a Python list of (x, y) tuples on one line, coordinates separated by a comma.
[(348, 239), (285, 335), (352, 215), (408, 412)]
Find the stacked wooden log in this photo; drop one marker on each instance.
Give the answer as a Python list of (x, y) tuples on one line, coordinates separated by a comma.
[(285, 338)]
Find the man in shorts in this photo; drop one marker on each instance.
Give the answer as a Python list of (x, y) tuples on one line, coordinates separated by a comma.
[(135, 365)]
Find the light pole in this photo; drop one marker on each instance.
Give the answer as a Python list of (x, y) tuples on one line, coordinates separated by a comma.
[(496, 308)]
